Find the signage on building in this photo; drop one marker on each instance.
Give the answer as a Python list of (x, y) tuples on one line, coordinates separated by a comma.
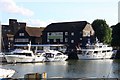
[(55, 35)]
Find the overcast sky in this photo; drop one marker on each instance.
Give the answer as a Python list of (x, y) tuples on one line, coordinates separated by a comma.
[(40, 13)]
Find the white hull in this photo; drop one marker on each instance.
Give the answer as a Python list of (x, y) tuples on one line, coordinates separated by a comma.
[(20, 59), (96, 51), (39, 59), (93, 57), (53, 55), (19, 55), (106, 55), (14, 59), (58, 58), (6, 73)]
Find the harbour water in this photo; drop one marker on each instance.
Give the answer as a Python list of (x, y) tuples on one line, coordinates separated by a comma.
[(69, 69)]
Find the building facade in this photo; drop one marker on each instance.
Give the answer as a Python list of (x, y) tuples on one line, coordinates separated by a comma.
[(29, 34), (73, 34), (8, 32)]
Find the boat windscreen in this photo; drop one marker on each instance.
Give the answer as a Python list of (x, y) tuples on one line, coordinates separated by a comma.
[(26, 54)]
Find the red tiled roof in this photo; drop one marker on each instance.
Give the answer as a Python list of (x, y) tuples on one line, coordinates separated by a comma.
[(33, 31)]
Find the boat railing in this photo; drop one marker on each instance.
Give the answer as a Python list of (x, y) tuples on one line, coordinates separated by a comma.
[(98, 45)]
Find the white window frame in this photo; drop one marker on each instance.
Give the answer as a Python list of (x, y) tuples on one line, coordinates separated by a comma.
[(87, 34), (66, 33), (21, 40), (72, 41), (80, 38), (54, 40), (48, 40), (80, 32), (66, 39), (21, 34), (48, 34), (61, 40), (72, 33)]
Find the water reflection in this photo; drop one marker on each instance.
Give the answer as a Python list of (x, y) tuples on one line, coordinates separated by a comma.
[(116, 68), (70, 69), (89, 68), (53, 69)]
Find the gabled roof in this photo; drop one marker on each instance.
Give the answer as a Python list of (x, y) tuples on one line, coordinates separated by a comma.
[(66, 26), (33, 31)]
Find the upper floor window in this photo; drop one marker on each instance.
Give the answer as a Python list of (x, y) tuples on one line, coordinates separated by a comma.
[(21, 34), (81, 44), (21, 40), (80, 32), (5, 30), (9, 30), (80, 38), (72, 41), (66, 33), (72, 33), (87, 34), (47, 34), (54, 40), (48, 40), (61, 40), (66, 39)]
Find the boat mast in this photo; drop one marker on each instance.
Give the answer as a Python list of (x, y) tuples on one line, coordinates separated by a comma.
[(29, 46)]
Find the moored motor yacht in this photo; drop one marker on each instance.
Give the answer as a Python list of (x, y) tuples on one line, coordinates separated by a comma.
[(96, 51), (20, 55), (54, 55), (44, 54)]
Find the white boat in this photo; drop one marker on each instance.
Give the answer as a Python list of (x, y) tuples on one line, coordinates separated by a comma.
[(50, 52), (27, 55), (54, 55), (2, 57), (6, 73), (1, 54), (20, 55), (96, 51)]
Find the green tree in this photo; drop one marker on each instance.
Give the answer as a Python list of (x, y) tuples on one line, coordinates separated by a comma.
[(116, 35), (102, 31)]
